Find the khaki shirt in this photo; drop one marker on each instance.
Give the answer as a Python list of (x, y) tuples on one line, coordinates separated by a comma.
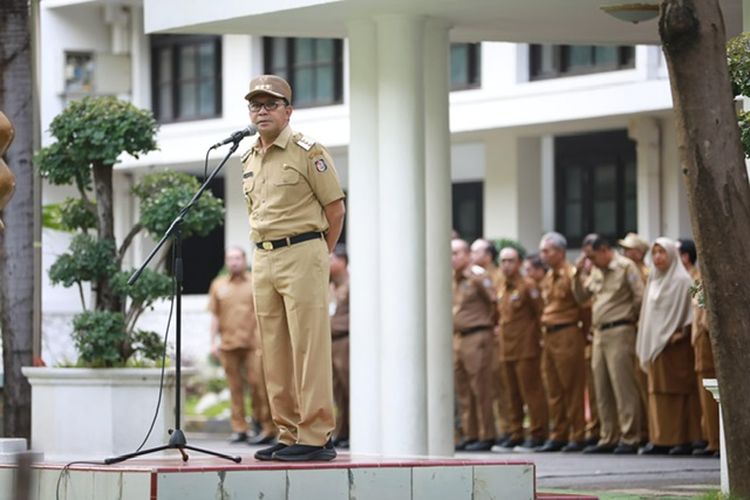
[(473, 301), (340, 312), (231, 301), (560, 305), (616, 292), (287, 187), (520, 307), (644, 270)]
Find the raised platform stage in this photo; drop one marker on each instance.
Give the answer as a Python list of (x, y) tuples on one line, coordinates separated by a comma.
[(346, 478)]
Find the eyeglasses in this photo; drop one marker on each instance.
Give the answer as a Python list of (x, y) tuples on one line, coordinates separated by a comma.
[(269, 105)]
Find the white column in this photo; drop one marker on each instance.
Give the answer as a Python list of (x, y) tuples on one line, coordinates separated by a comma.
[(364, 240), (402, 230), (438, 233), (645, 132)]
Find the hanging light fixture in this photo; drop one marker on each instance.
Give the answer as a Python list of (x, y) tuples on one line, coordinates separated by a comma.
[(632, 12)]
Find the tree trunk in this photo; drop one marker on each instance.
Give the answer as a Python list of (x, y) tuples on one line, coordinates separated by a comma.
[(694, 40), (105, 299), (16, 243)]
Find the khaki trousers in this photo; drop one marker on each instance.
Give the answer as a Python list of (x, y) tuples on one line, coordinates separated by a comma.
[(501, 405), (291, 303), (473, 357), (341, 385), (240, 365), (592, 424), (564, 372), (523, 380), (642, 379), (617, 395)]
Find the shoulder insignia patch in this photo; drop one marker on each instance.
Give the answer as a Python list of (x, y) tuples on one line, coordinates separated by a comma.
[(304, 142), (320, 164), (245, 155)]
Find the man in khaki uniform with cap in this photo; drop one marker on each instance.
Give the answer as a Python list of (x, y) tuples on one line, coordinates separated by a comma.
[(296, 210), (235, 342), (636, 248), (615, 287)]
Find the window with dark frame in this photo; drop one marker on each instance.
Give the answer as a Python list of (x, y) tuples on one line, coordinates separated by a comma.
[(555, 61), (468, 209), (466, 66), (312, 66), (595, 185), (185, 77)]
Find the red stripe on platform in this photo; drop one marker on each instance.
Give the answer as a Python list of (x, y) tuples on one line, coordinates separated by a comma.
[(154, 486)]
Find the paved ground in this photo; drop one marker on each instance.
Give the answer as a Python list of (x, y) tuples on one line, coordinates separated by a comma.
[(607, 476)]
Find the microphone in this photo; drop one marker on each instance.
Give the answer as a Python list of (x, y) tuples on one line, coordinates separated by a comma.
[(237, 136)]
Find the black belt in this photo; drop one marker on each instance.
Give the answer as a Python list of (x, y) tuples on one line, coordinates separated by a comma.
[(614, 324), (285, 242), (474, 329), (557, 328), (339, 335)]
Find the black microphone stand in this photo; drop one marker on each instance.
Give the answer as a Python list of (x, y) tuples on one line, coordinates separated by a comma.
[(177, 440)]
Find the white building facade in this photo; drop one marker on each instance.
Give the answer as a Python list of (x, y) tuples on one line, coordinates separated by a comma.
[(562, 123)]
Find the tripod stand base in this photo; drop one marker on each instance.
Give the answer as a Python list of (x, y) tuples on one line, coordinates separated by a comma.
[(176, 442)]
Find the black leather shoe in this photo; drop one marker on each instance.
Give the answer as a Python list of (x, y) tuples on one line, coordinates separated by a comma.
[(480, 445), (599, 449), (305, 453), (681, 449), (503, 439), (267, 453), (654, 449), (625, 449), (507, 445), (238, 437), (705, 452), (572, 447), (261, 439), (592, 441), (529, 445), (550, 446), (461, 445)]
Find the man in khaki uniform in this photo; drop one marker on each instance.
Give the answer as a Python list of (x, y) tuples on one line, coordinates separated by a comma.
[(563, 364), (340, 341), (473, 349), (484, 255), (296, 209), (636, 248), (520, 307), (235, 342), (615, 287)]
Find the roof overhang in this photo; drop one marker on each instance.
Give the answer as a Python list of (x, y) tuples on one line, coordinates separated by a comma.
[(542, 21)]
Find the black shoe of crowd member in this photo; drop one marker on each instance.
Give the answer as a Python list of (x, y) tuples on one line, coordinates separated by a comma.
[(572, 447), (238, 437), (625, 449), (341, 442), (529, 445), (551, 446), (261, 439), (461, 445), (681, 449), (592, 441), (654, 449), (599, 449), (502, 439), (506, 445), (705, 452), (480, 445)]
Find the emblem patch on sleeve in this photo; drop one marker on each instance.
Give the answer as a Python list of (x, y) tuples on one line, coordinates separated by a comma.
[(321, 165)]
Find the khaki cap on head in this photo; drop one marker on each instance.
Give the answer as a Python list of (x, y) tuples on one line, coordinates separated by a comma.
[(632, 240), (271, 85)]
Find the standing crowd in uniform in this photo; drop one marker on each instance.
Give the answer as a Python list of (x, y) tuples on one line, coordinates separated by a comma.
[(604, 355)]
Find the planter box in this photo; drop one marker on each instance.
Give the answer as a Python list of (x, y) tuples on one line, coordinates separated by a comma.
[(98, 412)]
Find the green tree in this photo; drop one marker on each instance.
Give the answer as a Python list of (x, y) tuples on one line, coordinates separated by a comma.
[(91, 135), (713, 163)]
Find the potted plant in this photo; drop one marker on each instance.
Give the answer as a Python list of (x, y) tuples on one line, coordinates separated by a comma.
[(113, 352)]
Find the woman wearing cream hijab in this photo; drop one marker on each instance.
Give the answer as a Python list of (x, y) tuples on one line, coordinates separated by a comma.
[(665, 353)]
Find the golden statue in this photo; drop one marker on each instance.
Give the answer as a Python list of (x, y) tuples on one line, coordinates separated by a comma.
[(7, 179)]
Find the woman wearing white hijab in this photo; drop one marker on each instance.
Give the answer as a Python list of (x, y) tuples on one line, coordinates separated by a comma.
[(665, 353)]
